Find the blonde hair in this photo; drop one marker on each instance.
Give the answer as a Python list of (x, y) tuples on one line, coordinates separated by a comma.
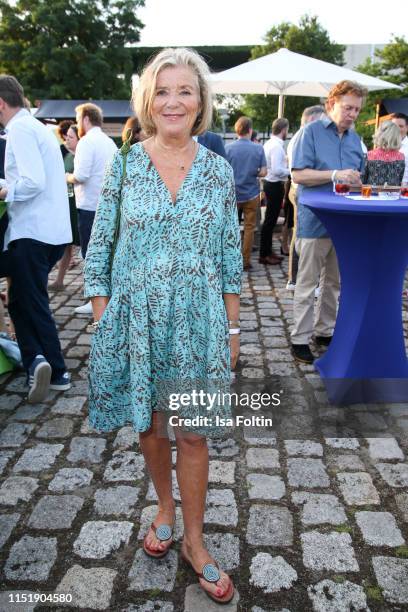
[(143, 96), (387, 136)]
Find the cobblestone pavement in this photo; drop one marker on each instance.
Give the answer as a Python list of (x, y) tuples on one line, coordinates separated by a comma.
[(307, 519)]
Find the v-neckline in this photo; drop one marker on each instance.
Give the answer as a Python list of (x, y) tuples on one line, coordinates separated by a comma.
[(199, 146)]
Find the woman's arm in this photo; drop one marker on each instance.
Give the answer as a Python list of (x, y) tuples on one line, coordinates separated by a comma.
[(231, 301)]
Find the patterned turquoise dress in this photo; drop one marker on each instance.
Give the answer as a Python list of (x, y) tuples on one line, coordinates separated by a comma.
[(166, 319)]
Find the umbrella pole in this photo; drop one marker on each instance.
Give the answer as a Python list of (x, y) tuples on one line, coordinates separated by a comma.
[(281, 105)]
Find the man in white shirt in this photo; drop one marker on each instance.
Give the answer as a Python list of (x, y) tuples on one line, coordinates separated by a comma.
[(94, 151), (401, 120), (39, 229), (278, 172)]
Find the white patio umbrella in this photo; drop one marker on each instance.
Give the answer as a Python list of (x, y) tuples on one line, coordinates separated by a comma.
[(286, 73)]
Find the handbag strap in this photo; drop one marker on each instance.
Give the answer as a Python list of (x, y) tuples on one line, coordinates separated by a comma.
[(124, 150)]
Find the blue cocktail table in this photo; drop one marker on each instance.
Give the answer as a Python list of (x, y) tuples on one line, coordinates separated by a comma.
[(366, 360)]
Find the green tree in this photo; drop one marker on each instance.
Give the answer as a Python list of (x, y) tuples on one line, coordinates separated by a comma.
[(69, 48), (308, 38)]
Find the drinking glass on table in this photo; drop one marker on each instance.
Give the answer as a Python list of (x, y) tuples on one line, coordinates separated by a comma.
[(341, 187), (404, 191)]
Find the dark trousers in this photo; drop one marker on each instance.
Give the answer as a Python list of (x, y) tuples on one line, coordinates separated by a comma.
[(30, 262), (85, 222), (274, 193)]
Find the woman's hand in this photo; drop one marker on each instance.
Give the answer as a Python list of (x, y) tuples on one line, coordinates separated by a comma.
[(234, 349)]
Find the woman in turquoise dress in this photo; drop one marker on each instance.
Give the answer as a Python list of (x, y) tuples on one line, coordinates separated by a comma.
[(166, 304)]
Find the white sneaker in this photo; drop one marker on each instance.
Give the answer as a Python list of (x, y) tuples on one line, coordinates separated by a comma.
[(86, 309), (290, 286)]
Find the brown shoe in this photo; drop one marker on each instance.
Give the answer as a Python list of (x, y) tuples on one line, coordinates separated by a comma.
[(270, 260)]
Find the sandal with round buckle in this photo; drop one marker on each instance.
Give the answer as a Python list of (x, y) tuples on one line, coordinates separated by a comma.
[(211, 573), (162, 533)]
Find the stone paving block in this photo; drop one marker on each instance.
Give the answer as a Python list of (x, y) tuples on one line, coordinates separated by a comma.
[(150, 606), (264, 486), (379, 529), (304, 448), (147, 573), (384, 448), (402, 503), (9, 402), (60, 427), (357, 489), (38, 458), (31, 559), (7, 524), (124, 465), (16, 489), (309, 473), (395, 475), (15, 434), (329, 596), (116, 500), (98, 539), (271, 574), (22, 607), (392, 577), (196, 600), (148, 515), (91, 589), (269, 526), (222, 472), (151, 491), (346, 462), (55, 512), (69, 405), (343, 443), (282, 368), (259, 458), (221, 508), (319, 509), (28, 412), (88, 450), (69, 479), (224, 548), (328, 551), (17, 384), (252, 373), (371, 422), (126, 438), (78, 387), (5, 457)]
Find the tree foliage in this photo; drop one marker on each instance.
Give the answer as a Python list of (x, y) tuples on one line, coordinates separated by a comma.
[(69, 48), (308, 38)]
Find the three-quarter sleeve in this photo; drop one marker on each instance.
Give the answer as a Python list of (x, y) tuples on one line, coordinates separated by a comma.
[(231, 241), (97, 271)]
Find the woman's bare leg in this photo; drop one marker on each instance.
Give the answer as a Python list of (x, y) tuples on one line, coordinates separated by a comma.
[(63, 266), (156, 450)]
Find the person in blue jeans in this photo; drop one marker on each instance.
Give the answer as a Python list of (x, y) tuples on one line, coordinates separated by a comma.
[(37, 233)]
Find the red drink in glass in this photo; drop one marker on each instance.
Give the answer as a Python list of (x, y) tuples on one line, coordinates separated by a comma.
[(342, 188), (404, 192)]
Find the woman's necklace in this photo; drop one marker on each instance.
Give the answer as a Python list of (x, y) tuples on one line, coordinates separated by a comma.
[(169, 154)]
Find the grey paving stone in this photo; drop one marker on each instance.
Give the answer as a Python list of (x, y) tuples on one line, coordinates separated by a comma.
[(147, 573), (384, 448), (252, 373), (329, 596), (86, 449), (224, 548), (221, 508), (15, 434), (222, 472), (90, 588), (319, 509), (148, 515), (126, 438), (379, 529), (125, 465), (38, 458), (31, 559), (259, 458), (7, 524), (304, 448), (392, 577), (5, 457), (249, 349), (17, 384), (395, 475), (55, 512), (69, 479), (69, 405), (264, 486), (309, 473), (86, 429), (16, 489), (196, 600), (343, 443), (328, 551), (78, 387), (16, 607), (28, 412), (98, 539), (346, 462), (402, 503), (371, 422), (357, 488), (60, 427), (9, 402), (271, 574), (269, 525), (116, 500), (282, 368), (150, 606)]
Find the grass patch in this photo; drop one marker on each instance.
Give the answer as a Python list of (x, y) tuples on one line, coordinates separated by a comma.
[(343, 529), (402, 551), (155, 592), (338, 579), (374, 593)]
